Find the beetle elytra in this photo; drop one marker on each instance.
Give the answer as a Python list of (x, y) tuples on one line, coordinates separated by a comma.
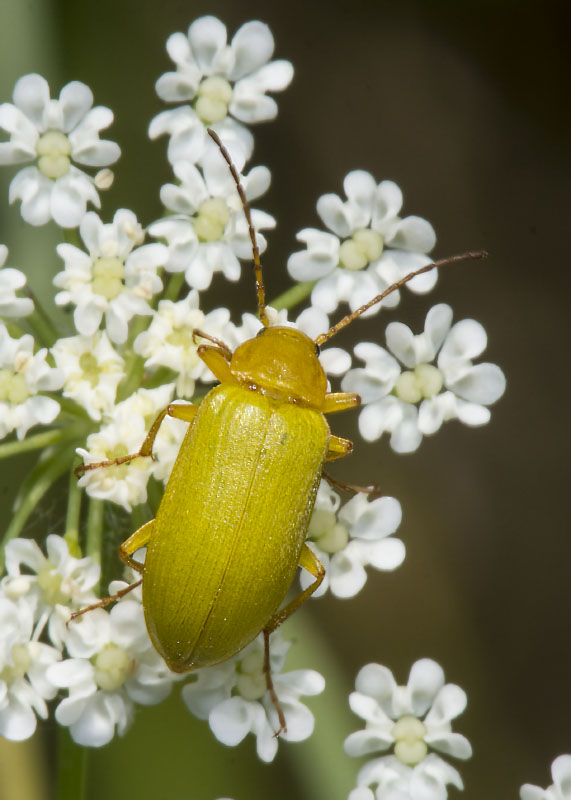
[(230, 529)]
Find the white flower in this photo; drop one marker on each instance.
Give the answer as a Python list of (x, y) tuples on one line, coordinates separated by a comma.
[(561, 787), (348, 541), (396, 781), (370, 248), (115, 277), (125, 484), (234, 699), (92, 370), (57, 580), (208, 232), (53, 134), (169, 341), (412, 719), (24, 686), (10, 281), (22, 376), (220, 79), (415, 402), (112, 666)]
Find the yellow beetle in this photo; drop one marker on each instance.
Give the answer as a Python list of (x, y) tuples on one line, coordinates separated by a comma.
[(230, 530)]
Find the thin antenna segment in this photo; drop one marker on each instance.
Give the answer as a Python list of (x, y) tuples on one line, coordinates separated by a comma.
[(260, 290), (323, 337)]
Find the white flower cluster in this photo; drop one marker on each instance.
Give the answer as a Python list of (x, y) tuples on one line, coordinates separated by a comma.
[(135, 293), (409, 720), (106, 665)]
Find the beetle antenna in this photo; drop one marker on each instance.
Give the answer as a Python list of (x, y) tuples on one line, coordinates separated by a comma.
[(260, 290), (323, 337)]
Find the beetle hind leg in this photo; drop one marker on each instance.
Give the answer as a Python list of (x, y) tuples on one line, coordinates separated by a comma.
[(309, 561)]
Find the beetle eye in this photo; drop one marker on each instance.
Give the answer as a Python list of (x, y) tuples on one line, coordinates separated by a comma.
[(317, 350), (260, 332)]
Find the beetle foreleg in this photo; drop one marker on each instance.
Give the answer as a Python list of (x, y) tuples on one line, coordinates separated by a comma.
[(217, 362), (374, 490), (183, 412)]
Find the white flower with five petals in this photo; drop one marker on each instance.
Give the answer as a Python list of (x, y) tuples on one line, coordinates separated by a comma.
[(116, 277), (234, 698), (411, 719), (23, 375), (219, 79), (208, 231), (53, 134), (349, 540), (113, 665), (415, 402), (370, 248), (56, 583)]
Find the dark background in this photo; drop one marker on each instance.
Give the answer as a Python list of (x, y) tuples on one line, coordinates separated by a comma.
[(466, 106)]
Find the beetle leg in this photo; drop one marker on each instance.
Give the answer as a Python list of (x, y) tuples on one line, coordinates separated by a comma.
[(309, 561), (184, 412), (339, 401), (374, 490), (137, 540), (106, 600), (338, 448), (217, 361)]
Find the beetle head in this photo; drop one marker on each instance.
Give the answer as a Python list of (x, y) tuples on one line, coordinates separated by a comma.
[(283, 363)]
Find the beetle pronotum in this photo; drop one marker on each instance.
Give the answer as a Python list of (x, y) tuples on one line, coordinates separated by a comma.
[(220, 557)]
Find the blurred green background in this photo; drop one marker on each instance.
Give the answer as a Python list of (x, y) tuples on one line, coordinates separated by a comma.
[(466, 106)]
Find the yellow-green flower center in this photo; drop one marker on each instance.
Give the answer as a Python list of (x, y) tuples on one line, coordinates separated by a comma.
[(425, 380), (112, 667), (251, 681), (364, 246), (53, 149), (211, 219), (108, 274), (49, 582), (21, 661), (13, 387), (409, 733), (213, 98), (90, 368), (330, 535)]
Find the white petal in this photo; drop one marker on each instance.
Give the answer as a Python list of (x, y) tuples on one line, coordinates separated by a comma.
[(413, 234), (387, 204), (387, 554), (34, 190), (75, 101), (231, 721), (361, 743), (207, 37), (252, 46), (32, 96), (425, 681), (401, 341), (472, 414), (406, 437), (529, 792), (378, 682), (335, 361), (466, 340), (437, 324), (451, 744), (335, 214), (561, 772), (360, 188), (346, 575), (482, 384)]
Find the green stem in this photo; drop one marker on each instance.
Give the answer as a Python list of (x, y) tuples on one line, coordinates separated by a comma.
[(173, 287), (71, 535), (41, 440), (94, 540), (71, 236), (294, 296), (41, 325), (72, 767), (41, 478)]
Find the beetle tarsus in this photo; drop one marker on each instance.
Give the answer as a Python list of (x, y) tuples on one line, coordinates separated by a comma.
[(270, 686), (373, 491)]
